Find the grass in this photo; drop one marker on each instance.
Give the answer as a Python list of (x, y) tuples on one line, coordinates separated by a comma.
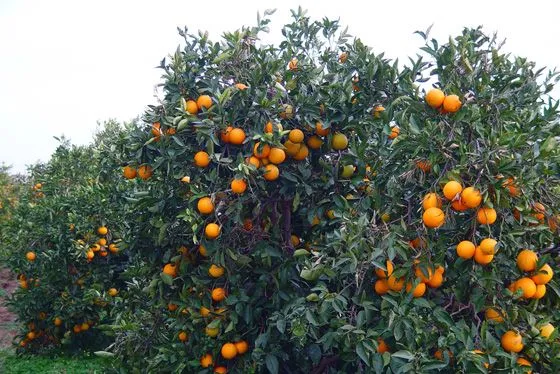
[(12, 364)]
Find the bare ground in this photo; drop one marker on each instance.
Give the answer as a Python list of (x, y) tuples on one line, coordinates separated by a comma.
[(7, 320)]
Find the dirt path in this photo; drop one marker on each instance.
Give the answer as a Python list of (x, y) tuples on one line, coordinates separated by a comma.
[(7, 319)]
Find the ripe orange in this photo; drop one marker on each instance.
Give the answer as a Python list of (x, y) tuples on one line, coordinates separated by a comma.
[(382, 347), (524, 362), (170, 269), (451, 103), (544, 275), (237, 136), (431, 200), (512, 341), (216, 271), (314, 142), (276, 155), (302, 153), (241, 86), (113, 292), (271, 172), (395, 131), (205, 205), (77, 329), (253, 161), (201, 159), (206, 360), (296, 136), (471, 197), (172, 307), (220, 370), (224, 134), (434, 98), (451, 189), (458, 206), (261, 151), (527, 260), (102, 242), (113, 248), (540, 292), (382, 274), (228, 351), (377, 110), (381, 286), (488, 246), (424, 274), (129, 172), (418, 291), (268, 128), (238, 186), (319, 130), (436, 280), (439, 354), (295, 240), (418, 243), (424, 165), (292, 148), (511, 186), (395, 284), (212, 231), (486, 216), (145, 172), (30, 256), (57, 321), (242, 347), (204, 101), (182, 336), (547, 330), (339, 141), (191, 107), (494, 315), (218, 294), (538, 211), (482, 258), (527, 285), (466, 249), (433, 217), (202, 250)]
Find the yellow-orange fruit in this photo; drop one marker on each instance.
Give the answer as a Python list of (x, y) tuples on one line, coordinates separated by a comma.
[(451, 103), (527, 285), (471, 197), (433, 217), (238, 186), (382, 274), (512, 341), (488, 246), (466, 249), (451, 189), (486, 216), (527, 260), (544, 275), (434, 98), (431, 200)]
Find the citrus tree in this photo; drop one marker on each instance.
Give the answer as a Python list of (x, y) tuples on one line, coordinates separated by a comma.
[(63, 241), (308, 207)]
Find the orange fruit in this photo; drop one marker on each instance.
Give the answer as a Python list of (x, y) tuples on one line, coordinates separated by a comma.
[(395, 131), (220, 370), (424, 274), (451, 189), (433, 217), (527, 285), (319, 130), (113, 292), (458, 205), (381, 286), (204, 101), (30, 256), (253, 161), (547, 330), (212, 331), (431, 200), (424, 165), (527, 260), (343, 57), (204, 312), (77, 329), (241, 86), (276, 155), (205, 205), (237, 136), (172, 307), (512, 341), (486, 216), (377, 110), (482, 258), (488, 246), (451, 103), (418, 243), (494, 315), (113, 248), (216, 271), (218, 294), (538, 211), (129, 172), (242, 347), (170, 270), (191, 107), (302, 153), (544, 275), (382, 274), (224, 134), (395, 284), (418, 291), (434, 98), (206, 360), (271, 172), (295, 240), (524, 362), (471, 197), (292, 65), (314, 142), (57, 321), (540, 292), (292, 148), (261, 151), (238, 186), (436, 280), (182, 336), (202, 250), (295, 136), (102, 242), (228, 351), (102, 230), (201, 159), (268, 128), (466, 249), (145, 172), (382, 347), (212, 231), (339, 141)]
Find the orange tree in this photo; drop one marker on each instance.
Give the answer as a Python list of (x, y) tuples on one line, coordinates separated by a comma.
[(63, 243), (290, 210)]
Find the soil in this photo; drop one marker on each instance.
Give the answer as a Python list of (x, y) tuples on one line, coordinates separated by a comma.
[(8, 284)]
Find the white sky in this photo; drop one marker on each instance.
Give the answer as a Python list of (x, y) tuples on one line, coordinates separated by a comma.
[(66, 64)]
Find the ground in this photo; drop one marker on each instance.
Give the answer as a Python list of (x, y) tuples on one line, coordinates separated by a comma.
[(7, 319)]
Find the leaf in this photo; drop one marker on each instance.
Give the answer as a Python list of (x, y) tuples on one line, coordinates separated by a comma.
[(405, 355), (104, 354), (361, 351), (271, 363)]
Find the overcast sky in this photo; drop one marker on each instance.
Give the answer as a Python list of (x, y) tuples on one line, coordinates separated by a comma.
[(66, 64)]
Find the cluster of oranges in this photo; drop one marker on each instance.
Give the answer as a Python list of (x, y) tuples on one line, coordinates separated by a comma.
[(228, 351), (436, 99), (427, 276), (102, 247)]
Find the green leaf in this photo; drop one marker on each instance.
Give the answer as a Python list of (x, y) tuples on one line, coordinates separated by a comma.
[(271, 364)]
